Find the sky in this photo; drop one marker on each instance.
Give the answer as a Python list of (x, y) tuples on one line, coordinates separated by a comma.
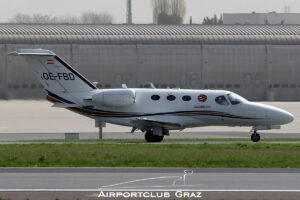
[(142, 12)]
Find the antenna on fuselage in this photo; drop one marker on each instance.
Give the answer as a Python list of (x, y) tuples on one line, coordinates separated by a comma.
[(152, 85), (124, 86)]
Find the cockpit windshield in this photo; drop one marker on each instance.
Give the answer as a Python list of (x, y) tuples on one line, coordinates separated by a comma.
[(235, 99)]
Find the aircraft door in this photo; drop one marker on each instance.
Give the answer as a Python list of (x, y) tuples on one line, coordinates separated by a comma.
[(223, 106)]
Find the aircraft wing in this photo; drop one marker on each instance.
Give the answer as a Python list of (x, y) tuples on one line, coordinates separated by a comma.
[(148, 122)]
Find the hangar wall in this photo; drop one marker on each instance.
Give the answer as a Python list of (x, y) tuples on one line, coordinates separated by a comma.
[(257, 72)]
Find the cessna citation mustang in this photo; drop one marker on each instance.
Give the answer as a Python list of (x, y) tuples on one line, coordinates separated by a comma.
[(153, 111)]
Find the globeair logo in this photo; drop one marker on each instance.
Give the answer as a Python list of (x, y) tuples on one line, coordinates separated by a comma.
[(177, 188)]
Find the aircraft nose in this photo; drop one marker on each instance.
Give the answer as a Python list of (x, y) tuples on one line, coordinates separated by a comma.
[(280, 116), (289, 117)]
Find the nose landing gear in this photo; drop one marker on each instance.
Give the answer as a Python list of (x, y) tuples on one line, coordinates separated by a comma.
[(255, 137)]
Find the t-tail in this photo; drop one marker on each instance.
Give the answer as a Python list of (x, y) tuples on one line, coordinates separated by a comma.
[(54, 74)]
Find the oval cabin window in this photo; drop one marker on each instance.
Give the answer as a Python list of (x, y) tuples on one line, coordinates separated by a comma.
[(155, 97), (186, 98), (171, 97)]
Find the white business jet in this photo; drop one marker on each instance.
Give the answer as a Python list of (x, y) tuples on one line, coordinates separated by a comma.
[(153, 111)]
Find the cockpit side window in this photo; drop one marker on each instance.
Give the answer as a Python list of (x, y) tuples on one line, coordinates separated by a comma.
[(222, 101), (235, 99)]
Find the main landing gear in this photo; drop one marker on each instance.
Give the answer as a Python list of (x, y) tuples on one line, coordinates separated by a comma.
[(150, 137), (255, 137)]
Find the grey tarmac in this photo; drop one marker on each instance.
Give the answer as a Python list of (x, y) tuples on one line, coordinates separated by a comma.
[(85, 183)]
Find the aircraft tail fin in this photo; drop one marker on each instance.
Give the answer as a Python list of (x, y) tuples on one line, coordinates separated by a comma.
[(54, 73)]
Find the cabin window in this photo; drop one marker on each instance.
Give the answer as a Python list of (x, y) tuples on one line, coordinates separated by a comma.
[(171, 97), (222, 100), (186, 98), (155, 97)]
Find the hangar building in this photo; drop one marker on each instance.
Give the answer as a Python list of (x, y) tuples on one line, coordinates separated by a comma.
[(256, 61)]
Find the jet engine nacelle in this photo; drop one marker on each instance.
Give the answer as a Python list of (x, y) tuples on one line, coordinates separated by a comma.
[(115, 98)]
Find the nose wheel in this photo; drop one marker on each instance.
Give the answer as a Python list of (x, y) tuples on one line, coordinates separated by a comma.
[(255, 137)]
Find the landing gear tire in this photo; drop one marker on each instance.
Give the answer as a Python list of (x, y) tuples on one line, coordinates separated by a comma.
[(149, 137), (255, 137)]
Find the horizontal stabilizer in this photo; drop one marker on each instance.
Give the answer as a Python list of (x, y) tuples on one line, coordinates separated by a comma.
[(34, 52)]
